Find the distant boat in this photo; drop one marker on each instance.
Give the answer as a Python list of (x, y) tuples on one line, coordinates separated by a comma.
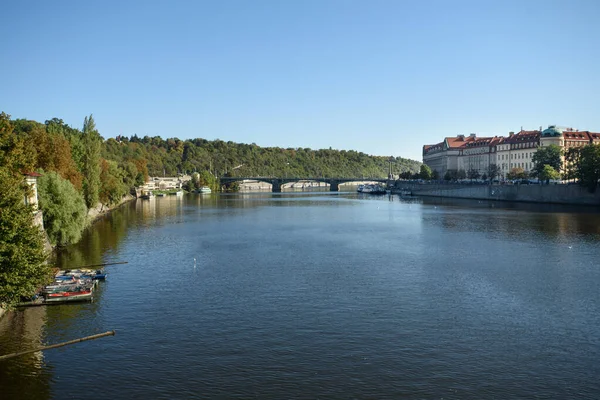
[(360, 188), (204, 189), (147, 195), (374, 189)]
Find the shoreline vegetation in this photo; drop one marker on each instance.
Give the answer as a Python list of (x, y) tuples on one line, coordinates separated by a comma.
[(74, 176)]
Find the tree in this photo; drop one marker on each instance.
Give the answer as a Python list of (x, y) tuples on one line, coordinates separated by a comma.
[(461, 174), (91, 161), (588, 170), (13, 153), (493, 171), (425, 172), (473, 174), (516, 173), (113, 180), (64, 209), (435, 175), (550, 155), (548, 173), (572, 163), (22, 255)]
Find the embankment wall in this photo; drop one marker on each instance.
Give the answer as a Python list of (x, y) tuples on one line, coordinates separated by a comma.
[(551, 194)]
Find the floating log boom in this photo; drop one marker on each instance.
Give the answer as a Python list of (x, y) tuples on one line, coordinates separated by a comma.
[(101, 265), (54, 346)]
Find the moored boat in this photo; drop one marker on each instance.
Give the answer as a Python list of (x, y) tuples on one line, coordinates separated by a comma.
[(374, 189), (76, 294)]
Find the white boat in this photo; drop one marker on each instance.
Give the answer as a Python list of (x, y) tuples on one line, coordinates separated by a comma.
[(360, 188), (204, 189), (374, 189)]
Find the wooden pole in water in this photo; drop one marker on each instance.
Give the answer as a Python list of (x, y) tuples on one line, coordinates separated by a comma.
[(54, 346), (101, 265)]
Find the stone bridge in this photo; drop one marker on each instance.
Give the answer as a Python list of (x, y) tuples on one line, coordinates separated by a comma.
[(277, 183)]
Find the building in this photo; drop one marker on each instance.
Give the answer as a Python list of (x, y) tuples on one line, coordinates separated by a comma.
[(515, 151), (478, 154), (443, 157), (31, 198)]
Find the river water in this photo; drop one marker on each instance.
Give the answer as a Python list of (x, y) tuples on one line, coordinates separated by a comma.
[(323, 295)]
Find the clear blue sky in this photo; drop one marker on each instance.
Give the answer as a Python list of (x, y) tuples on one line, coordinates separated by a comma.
[(382, 77)]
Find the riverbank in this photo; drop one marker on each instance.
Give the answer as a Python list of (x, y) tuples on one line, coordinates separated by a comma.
[(101, 209), (93, 215), (550, 194)]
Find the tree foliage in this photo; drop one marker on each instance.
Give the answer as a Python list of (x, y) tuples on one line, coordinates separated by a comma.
[(425, 172), (90, 163), (516, 173), (588, 170), (63, 207), (549, 155), (548, 173), (22, 255), (473, 174), (173, 156), (493, 171)]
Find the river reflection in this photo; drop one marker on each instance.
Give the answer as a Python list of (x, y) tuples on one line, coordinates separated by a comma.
[(323, 295)]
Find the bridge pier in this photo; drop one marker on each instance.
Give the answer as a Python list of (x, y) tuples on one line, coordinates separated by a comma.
[(276, 186), (334, 186)]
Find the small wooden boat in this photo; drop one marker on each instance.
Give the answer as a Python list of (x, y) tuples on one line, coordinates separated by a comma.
[(78, 294)]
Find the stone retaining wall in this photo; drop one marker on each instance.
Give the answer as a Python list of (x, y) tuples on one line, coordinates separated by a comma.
[(551, 194)]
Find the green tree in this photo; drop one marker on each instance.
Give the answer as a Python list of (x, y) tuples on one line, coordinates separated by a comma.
[(425, 172), (461, 174), (588, 169), (572, 163), (91, 162), (113, 180), (549, 155), (548, 173), (516, 173), (64, 209), (22, 255)]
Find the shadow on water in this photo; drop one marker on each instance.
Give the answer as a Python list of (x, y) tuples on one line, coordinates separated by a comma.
[(516, 219), (24, 377)]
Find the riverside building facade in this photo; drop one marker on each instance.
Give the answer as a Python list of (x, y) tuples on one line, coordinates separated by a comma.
[(514, 151)]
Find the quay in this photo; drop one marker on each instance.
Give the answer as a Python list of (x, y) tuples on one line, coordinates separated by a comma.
[(550, 194)]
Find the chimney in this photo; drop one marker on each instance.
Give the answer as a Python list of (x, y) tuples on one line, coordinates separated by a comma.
[(510, 134), (473, 135), (461, 137)]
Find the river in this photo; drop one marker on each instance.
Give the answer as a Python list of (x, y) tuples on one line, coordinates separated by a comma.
[(323, 295)]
